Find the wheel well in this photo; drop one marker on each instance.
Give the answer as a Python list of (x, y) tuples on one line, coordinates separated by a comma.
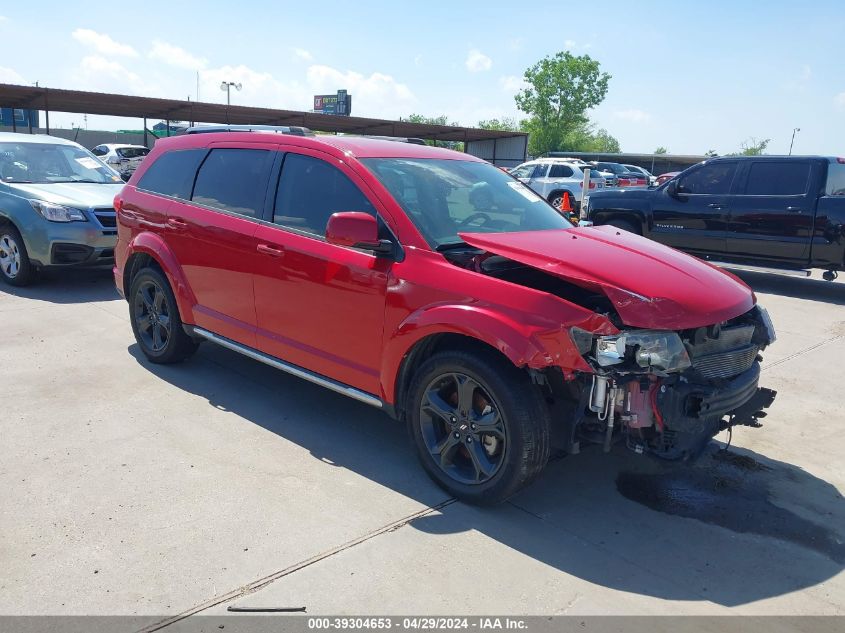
[(133, 265), (425, 349), (559, 192)]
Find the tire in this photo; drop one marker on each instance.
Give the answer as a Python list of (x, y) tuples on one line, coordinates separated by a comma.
[(499, 446), (15, 267), (556, 199), (625, 226), (155, 319)]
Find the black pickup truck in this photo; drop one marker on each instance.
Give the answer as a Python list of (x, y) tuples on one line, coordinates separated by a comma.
[(770, 212)]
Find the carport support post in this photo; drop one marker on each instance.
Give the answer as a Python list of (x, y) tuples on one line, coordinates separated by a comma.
[(586, 186), (145, 132)]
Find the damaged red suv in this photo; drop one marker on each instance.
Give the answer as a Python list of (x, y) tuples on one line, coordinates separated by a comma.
[(430, 284)]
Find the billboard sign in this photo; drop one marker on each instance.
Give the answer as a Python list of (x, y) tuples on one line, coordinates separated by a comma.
[(340, 103)]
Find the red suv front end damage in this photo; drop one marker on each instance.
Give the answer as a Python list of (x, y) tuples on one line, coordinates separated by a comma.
[(432, 285)]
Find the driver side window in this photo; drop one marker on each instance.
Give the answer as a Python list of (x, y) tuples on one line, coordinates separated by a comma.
[(712, 179)]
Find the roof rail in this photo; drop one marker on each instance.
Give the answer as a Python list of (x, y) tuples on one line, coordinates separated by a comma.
[(294, 130)]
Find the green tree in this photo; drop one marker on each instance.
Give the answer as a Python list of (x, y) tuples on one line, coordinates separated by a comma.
[(605, 143), (711, 153), (561, 89), (508, 124), (754, 146), (661, 150), (436, 120)]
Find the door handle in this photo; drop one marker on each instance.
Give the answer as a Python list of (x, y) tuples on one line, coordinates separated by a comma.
[(794, 209), (177, 225), (272, 251)]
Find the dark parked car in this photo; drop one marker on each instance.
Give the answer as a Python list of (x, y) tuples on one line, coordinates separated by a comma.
[(431, 285), (781, 212), (625, 177)]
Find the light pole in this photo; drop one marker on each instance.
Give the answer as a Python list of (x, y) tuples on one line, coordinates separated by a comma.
[(794, 130), (227, 85)]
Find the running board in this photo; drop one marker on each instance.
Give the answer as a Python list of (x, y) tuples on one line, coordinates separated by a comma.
[(294, 370), (763, 269)]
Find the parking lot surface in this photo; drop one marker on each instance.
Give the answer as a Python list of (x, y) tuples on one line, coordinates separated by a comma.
[(163, 491)]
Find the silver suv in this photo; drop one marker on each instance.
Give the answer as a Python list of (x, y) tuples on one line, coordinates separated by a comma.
[(552, 177)]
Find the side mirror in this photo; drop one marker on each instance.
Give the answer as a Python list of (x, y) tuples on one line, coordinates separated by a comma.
[(672, 188), (358, 230)]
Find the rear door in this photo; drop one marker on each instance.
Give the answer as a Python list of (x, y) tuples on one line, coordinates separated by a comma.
[(212, 236), (771, 215), (695, 218)]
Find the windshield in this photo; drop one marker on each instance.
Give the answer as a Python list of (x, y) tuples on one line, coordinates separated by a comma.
[(46, 163), (612, 167), (446, 197), (132, 152)]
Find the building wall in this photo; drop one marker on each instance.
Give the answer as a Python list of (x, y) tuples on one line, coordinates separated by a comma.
[(89, 138), (502, 152)]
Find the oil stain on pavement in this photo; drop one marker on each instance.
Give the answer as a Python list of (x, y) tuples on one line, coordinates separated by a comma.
[(734, 491)]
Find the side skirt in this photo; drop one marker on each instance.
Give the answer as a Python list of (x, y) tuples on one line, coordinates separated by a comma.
[(295, 370)]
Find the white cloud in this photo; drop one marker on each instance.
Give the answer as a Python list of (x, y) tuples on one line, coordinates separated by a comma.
[(418, 61), (512, 83), (376, 95), (569, 44), (515, 44), (10, 76), (105, 75), (840, 99), (806, 73), (102, 43), (633, 115), (478, 61), (175, 56), (3, 18), (301, 53)]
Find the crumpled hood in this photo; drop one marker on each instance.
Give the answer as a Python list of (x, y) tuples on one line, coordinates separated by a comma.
[(650, 285), (80, 195)]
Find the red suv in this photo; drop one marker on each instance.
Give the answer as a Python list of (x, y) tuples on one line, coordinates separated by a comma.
[(432, 285)]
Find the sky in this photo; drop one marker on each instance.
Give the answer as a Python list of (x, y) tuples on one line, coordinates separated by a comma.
[(688, 76)]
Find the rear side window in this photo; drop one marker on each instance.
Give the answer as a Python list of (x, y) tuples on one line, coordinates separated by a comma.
[(712, 179), (172, 174), (311, 190), (560, 171), (835, 179), (777, 178), (234, 180)]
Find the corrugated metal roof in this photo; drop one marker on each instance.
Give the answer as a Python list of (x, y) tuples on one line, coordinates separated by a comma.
[(59, 100)]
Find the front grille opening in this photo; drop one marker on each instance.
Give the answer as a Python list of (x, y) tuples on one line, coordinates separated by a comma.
[(70, 253)]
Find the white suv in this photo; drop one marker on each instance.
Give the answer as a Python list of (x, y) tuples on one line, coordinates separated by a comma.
[(552, 177)]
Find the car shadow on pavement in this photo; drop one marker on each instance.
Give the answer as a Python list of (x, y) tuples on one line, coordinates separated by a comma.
[(76, 285), (732, 529), (799, 288)]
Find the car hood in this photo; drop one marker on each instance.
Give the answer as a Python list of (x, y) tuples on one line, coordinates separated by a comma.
[(80, 195), (650, 285), (638, 193)]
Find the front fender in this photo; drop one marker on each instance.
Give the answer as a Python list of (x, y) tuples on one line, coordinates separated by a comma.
[(538, 344), (154, 246)]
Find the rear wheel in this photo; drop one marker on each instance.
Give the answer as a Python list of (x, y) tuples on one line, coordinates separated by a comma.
[(480, 427), (155, 319), (15, 267)]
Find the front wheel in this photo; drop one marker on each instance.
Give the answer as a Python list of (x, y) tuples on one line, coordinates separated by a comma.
[(155, 319), (480, 427), (15, 267)]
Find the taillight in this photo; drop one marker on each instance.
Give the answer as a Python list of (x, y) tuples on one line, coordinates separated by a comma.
[(592, 185), (118, 203)]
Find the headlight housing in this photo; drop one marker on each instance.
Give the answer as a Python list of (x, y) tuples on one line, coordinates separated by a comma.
[(649, 349), (56, 212)]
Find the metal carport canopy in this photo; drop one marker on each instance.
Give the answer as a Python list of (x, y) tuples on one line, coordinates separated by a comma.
[(83, 102)]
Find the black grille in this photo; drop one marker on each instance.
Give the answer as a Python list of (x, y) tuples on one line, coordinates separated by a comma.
[(106, 217), (725, 364), (728, 355)]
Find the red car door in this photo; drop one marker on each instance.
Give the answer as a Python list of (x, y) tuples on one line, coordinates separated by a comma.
[(318, 305), (212, 236)]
